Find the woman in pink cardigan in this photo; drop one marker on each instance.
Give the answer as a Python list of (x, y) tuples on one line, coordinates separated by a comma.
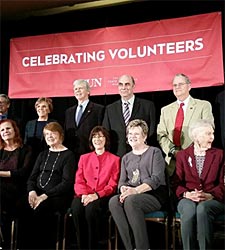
[(95, 182)]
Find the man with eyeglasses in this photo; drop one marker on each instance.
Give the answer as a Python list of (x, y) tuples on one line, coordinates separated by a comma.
[(4, 106), (6, 114), (190, 109)]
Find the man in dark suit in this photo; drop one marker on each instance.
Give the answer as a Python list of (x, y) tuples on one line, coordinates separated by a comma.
[(80, 119), (138, 108), (4, 106), (220, 101), (6, 114)]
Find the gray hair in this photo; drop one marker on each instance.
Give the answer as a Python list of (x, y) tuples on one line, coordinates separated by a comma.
[(196, 127), (6, 98), (138, 123), (186, 78), (82, 82)]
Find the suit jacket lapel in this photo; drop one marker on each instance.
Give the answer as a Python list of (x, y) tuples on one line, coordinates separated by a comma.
[(173, 112), (192, 162), (189, 112), (86, 112), (135, 108), (209, 157), (119, 112)]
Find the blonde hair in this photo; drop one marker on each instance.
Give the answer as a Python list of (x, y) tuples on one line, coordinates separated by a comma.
[(138, 123)]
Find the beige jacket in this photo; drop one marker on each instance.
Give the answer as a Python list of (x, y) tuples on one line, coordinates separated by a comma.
[(196, 109)]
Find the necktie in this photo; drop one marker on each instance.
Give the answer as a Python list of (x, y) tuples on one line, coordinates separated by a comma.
[(178, 125), (3, 117), (80, 112), (126, 113)]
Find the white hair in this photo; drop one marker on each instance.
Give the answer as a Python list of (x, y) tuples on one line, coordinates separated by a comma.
[(197, 127)]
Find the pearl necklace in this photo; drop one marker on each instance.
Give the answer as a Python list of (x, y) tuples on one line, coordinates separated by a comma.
[(53, 166)]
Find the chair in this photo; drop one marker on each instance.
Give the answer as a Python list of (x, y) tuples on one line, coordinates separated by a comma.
[(112, 236), (161, 217), (15, 226), (176, 230), (68, 216)]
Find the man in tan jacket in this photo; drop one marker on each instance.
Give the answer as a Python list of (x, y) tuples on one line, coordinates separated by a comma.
[(193, 109)]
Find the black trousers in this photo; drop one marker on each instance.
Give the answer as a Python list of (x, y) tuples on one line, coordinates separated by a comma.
[(88, 221)]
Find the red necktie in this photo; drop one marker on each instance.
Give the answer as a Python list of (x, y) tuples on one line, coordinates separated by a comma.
[(178, 125)]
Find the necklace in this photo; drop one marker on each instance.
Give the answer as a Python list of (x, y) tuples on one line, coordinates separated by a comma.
[(53, 166)]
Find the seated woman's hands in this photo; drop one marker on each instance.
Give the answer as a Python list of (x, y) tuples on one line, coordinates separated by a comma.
[(198, 196), (126, 191), (88, 198), (35, 200)]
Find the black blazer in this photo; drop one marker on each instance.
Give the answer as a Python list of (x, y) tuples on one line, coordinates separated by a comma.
[(114, 122), (76, 137)]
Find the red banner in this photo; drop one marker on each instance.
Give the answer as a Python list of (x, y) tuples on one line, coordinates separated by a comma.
[(153, 52)]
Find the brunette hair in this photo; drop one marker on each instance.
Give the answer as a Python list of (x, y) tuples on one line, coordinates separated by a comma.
[(17, 139), (54, 127), (95, 131)]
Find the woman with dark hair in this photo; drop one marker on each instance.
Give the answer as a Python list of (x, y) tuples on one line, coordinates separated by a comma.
[(15, 167), (34, 128), (95, 182)]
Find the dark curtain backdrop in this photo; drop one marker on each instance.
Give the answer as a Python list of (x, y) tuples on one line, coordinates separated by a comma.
[(142, 11)]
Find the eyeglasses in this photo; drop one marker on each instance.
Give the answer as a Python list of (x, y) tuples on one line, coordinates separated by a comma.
[(98, 136), (181, 84)]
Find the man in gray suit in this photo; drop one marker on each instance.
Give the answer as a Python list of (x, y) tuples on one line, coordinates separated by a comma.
[(138, 108), (193, 109)]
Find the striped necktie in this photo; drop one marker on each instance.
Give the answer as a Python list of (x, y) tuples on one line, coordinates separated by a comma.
[(126, 112)]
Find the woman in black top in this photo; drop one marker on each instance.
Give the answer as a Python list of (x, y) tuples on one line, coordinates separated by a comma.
[(34, 128), (15, 167), (50, 187)]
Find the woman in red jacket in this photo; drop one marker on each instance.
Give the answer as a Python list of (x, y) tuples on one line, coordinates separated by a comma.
[(95, 182), (200, 186)]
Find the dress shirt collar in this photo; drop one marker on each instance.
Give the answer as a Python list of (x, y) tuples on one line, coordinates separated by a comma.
[(186, 101), (84, 104), (131, 101)]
